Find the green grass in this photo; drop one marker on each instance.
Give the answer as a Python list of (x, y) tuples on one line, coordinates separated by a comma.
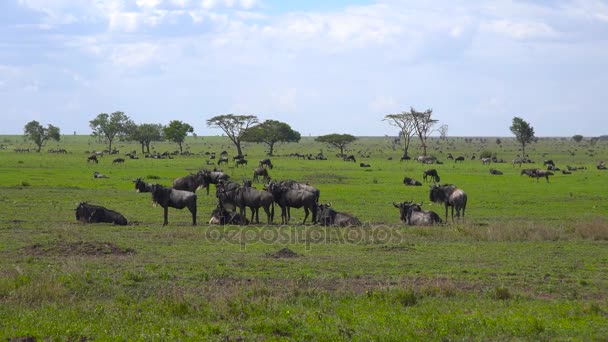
[(529, 262)]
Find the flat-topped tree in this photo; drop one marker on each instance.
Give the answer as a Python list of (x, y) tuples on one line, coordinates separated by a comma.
[(177, 131), (423, 124), (109, 126), (34, 131), (405, 122), (234, 126), (145, 134), (524, 133), (271, 132), (336, 140)]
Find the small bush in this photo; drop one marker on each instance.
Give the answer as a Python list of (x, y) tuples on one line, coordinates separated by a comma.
[(502, 293), (25, 183)]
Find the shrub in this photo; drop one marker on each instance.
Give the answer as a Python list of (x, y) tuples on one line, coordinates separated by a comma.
[(502, 293), (25, 183)]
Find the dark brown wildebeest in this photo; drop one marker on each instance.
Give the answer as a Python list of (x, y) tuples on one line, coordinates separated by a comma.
[(553, 168), (413, 215), (92, 157), (222, 216), (287, 198), (178, 199), (190, 182), (118, 161), (266, 163), (432, 174), (99, 175), (495, 172), (405, 157), (364, 165), (213, 177), (450, 196), (89, 213), (449, 156), (327, 216), (240, 162), (601, 165), (537, 173), (350, 158), (549, 162), (566, 172), (411, 182), (246, 196), (141, 186), (459, 159), (301, 186), (223, 159), (261, 172)]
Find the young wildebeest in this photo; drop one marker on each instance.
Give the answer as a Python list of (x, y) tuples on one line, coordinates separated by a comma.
[(178, 199), (92, 157), (413, 215), (89, 213), (411, 182), (213, 177), (261, 172), (432, 173), (118, 161), (190, 182), (327, 216), (246, 196), (287, 198), (222, 216), (495, 172), (266, 163), (450, 196), (99, 175)]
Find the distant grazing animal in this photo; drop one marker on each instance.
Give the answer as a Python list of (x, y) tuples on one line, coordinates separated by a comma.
[(537, 173), (286, 197), (240, 162), (327, 216), (549, 162), (404, 157), (222, 216), (432, 174), (566, 172), (459, 159), (238, 157), (246, 196), (413, 215), (266, 163), (495, 172), (223, 159), (89, 213), (553, 168), (426, 159), (190, 182), (450, 196), (601, 166), (518, 161), (486, 160), (118, 161), (350, 158), (178, 199), (93, 158), (99, 175), (213, 177), (449, 156), (411, 182), (261, 172), (364, 165)]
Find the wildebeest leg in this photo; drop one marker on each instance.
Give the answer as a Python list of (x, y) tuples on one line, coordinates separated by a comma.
[(192, 209), (267, 211), (166, 214), (446, 212), (305, 215)]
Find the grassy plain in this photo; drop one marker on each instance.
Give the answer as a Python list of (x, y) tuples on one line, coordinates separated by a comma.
[(529, 262)]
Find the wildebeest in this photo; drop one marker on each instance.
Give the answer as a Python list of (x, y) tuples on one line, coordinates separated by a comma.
[(301, 186), (411, 181), (178, 199), (266, 163), (141, 186), (459, 159), (405, 157), (286, 197), (212, 177), (99, 175), (221, 216), (486, 160), (549, 162), (495, 172), (432, 174), (92, 157), (223, 159), (413, 215), (261, 172), (537, 173), (566, 172), (241, 162), (246, 196), (426, 159), (350, 158), (190, 182), (553, 168), (364, 165), (518, 161), (450, 196), (327, 216), (601, 166), (89, 213), (118, 161)]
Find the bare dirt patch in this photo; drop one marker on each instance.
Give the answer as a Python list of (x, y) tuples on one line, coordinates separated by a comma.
[(283, 253), (90, 248)]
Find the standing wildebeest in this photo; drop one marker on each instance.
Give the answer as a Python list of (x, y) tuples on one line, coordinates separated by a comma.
[(99, 175), (92, 157), (212, 177), (404, 157), (246, 196), (178, 199), (266, 162), (223, 159), (426, 159), (432, 173), (413, 215), (300, 186), (411, 182), (327, 216), (549, 162), (350, 158), (118, 161), (241, 162), (190, 182), (450, 196), (601, 165), (222, 216), (261, 172), (485, 161), (89, 213), (537, 173), (518, 161), (287, 198), (495, 172), (141, 186), (459, 159)]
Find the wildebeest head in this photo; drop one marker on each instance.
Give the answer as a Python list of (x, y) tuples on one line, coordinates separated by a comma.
[(404, 208), (141, 186)]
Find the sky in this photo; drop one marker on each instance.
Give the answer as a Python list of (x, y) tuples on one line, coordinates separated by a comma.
[(321, 66)]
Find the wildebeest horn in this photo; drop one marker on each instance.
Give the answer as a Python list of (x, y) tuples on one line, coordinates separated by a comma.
[(329, 204), (395, 204)]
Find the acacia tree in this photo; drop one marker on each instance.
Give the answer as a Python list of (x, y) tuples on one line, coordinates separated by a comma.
[(110, 126), (177, 131), (423, 122), (34, 131), (145, 134), (524, 133), (339, 141), (577, 138), (405, 123), (234, 126), (443, 132), (271, 132)]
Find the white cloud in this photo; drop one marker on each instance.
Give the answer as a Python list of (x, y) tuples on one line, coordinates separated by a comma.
[(519, 30), (134, 55), (148, 3)]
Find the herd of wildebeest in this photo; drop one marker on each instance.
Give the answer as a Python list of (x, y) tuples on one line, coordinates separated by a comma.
[(292, 194)]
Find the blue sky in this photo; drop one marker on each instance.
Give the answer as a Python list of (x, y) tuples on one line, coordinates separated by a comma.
[(321, 66)]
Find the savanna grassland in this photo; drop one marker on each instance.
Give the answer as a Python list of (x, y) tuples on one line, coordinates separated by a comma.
[(529, 262)]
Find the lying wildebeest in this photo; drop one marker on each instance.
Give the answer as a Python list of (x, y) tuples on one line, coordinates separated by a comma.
[(246, 196), (364, 165), (213, 177), (266, 163), (261, 172), (432, 173), (450, 196), (459, 159), (549, 162), (601, 166), (92, 157), (495, 172), (222, 216), (411, 182), (178, 199), (553, 168), (413, 215), (118, 161), (89, 213), (286, 197), (350, 158), (327, 216), (241, 162), (190, 182), (99, 175), (566, 172)]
